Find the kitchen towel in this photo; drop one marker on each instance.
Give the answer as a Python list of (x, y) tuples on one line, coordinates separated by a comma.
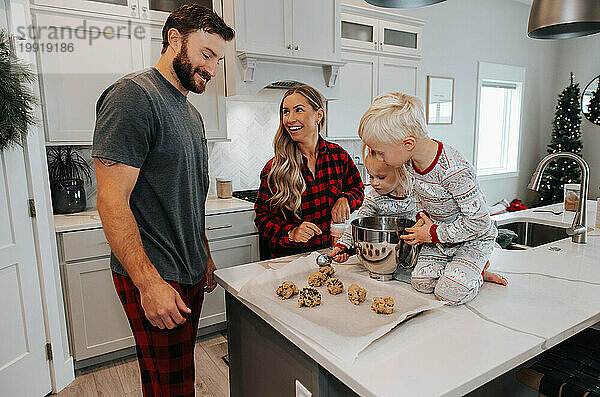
[(344, 329)]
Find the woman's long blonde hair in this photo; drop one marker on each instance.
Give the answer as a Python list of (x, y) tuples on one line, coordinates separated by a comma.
[(285, 179)]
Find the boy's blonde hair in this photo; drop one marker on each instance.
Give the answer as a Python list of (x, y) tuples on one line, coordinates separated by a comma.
[(392, 117), (404, 179)]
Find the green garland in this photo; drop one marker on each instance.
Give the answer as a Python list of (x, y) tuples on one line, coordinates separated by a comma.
[(16, 100), (593, 109)]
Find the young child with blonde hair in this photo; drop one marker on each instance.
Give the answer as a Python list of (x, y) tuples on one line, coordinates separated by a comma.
[(453, 221), (391, 196)]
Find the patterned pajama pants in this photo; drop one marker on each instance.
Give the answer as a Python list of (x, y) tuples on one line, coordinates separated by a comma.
[(165, 356), (453, 274)]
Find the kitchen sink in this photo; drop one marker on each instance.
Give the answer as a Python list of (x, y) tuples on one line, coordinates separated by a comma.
[(530, 234)]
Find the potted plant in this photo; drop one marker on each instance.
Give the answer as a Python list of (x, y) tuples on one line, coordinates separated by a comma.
[(67, 171)]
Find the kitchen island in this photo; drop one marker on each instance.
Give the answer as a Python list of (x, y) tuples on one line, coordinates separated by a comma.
[(554, 292)]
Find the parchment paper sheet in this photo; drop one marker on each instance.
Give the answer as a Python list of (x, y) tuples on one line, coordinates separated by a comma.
[(337, 325)]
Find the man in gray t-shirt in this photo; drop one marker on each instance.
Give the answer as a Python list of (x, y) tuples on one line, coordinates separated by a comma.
[(151, 162)]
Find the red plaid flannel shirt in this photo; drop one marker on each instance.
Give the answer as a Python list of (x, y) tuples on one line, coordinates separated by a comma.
[(336, 176)]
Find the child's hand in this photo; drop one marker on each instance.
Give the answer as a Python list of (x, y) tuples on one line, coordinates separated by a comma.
[(420, 222), (340, 258), (419, 233)]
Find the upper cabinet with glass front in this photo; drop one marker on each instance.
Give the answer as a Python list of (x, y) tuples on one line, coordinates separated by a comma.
[(393, 35), (159, 10), (125, 8), (153, 10)]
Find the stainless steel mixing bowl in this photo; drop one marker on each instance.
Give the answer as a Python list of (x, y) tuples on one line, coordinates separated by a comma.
[(379, 246)]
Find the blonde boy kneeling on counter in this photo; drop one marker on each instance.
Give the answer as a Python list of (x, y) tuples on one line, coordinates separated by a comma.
[(453, 220)]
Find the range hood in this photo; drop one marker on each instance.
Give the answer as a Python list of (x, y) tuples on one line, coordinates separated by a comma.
[(283, 85), (248, 73)]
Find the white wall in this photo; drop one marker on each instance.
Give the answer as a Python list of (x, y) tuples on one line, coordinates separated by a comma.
[(459, 33), (580, 56)]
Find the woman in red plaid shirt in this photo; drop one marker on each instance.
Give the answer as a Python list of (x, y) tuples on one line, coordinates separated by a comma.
[(309, 183)]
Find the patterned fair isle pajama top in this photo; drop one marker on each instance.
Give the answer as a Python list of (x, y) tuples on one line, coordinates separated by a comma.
[(463, 233)]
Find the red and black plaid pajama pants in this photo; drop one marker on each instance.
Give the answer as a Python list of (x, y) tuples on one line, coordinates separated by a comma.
[(165, 356)]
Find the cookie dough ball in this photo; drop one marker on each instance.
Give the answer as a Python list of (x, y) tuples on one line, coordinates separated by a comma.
[(334, 286), (309, 297), (356, 294), (383, 305), (327, 270), (316, 279), (286, 290)]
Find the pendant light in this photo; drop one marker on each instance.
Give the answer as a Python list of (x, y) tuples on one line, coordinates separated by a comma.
[(403, 3), (563, 19)]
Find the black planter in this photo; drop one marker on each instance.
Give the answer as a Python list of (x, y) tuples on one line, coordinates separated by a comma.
[(68, 196)]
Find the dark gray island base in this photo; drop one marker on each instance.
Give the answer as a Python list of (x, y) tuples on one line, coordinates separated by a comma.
[(264, 363)]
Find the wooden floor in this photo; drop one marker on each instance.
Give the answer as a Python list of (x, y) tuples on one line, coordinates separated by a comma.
[(122, 377)]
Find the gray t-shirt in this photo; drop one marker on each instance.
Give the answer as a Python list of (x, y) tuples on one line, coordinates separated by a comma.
[(143, 121)]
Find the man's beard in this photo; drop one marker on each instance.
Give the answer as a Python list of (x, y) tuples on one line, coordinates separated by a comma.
[(186, 72)]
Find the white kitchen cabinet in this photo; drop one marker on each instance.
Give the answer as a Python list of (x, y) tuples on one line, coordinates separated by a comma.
[(362, 79), (358, 84), (263, 26), (399, 38), (72, 78), (226, 253), (125, 8), (397, 75), (315, 29), (307, 29), (360, 32), (96, 322), (381, 52), (154, 10), (93, 51), (159, 10), (380, 35), (210, 104)]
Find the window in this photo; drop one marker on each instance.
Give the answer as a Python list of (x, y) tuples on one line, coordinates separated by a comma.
[(500, 89)]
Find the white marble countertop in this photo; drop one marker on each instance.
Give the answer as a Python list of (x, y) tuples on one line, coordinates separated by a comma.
[(453, 350), (89, 219)]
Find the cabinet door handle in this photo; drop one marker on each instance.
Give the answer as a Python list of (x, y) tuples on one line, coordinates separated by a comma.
[(144, 8), (133, 7), (219, 227), (376, 44), (296, 48), (289, 47)]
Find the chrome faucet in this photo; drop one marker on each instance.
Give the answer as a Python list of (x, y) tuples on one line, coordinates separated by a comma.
[(579, 227)]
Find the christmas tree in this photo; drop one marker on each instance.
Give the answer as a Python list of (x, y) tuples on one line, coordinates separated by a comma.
[(593, 110), (566, 137)]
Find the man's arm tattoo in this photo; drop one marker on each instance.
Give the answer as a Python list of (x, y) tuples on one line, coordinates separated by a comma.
[(107, 162)]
